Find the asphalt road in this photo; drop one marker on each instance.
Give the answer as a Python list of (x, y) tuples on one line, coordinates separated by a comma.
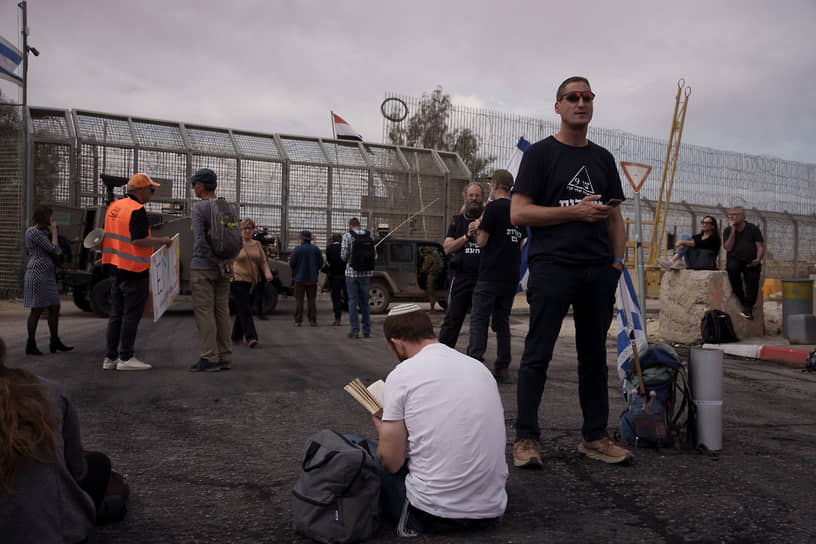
[(213, 457)]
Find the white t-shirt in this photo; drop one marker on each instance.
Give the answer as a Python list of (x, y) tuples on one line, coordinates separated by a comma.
[(456, 436)]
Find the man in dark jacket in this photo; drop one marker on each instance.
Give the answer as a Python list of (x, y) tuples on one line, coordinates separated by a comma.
[(305, 261), (337, 276)]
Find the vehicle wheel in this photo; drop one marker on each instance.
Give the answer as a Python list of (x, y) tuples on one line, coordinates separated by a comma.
[(379, 297), (81, 299), (101, 297)]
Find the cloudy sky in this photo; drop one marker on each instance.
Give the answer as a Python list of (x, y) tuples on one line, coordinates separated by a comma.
[(281, 66)]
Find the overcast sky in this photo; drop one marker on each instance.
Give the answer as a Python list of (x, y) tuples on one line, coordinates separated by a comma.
[(281, 66)]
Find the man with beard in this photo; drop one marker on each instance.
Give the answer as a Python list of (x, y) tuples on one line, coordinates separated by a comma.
[(460, 244)]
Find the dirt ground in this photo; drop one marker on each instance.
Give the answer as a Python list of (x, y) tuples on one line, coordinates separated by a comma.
[(213, 457)]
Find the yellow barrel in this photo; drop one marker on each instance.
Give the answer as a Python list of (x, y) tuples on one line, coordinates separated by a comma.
[(797, 298)]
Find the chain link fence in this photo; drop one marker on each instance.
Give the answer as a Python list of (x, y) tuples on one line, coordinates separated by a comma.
[(284, 183)]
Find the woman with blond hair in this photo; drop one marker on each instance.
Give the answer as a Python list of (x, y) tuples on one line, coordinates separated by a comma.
[(247, 270), (48, 486), (40, 282)]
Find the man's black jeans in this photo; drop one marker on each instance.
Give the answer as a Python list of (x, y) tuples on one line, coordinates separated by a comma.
[(552, 288), (128, 297), (460, 296), (491, 298), (736, 272)]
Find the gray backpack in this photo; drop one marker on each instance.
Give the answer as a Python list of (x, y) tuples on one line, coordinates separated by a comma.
[(336, 497), (225, 228)]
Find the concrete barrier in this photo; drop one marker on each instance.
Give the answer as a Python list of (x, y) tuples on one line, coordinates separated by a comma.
[(685, 295)]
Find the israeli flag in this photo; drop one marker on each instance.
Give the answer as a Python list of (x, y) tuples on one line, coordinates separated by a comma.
[(10, 59), (513, 167), (629, 319)]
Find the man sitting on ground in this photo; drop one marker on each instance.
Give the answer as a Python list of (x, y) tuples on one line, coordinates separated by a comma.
[(441, 436)]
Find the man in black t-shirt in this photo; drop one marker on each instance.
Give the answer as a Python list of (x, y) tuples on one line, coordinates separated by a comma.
[(744, 248), (496, 287), (575, 257), (460, 244)]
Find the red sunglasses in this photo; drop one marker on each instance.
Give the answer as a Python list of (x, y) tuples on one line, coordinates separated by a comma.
[(575, 96)]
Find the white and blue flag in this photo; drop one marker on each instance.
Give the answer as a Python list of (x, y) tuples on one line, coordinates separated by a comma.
[(10, 59), (629, 319), (513, 167)]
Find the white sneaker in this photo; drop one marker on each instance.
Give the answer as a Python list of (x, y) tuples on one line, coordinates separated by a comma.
[(664, 262), (132, 364), (109, 364)]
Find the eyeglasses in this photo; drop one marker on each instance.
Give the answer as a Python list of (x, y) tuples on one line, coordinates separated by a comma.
[(575, 96), (707, 222)]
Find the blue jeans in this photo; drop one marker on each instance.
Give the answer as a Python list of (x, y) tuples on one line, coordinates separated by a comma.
[(357, 290), (496, 299), (685, 251), (552, 289)]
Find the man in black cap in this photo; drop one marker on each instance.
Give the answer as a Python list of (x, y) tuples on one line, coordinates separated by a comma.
[(305, 261), (209, 280)]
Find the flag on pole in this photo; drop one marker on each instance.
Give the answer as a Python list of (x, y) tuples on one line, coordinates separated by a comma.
[(515, 159), (10, 59), (513, 167), (629, 319), (343, 131)]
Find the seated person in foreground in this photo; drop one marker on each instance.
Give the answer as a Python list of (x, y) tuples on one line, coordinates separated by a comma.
[(48, 487), (442, 436), (698, 252)]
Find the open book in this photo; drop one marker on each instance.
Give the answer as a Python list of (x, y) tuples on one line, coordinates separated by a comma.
[(370, 397)]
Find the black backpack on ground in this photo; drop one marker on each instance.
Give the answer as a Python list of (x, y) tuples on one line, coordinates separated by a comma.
[(716, 327), (669, 415), (363, 252), (336, 497)]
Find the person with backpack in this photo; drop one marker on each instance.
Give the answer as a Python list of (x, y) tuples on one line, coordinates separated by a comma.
[(336, 271), (216, 243), (441, 437), (359, 253)]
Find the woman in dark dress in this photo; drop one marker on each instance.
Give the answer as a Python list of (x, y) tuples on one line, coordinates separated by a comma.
[(40, 283)]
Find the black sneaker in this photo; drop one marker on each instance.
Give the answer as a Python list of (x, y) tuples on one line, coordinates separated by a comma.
[(226, 365), (747, 313), (203, 365)]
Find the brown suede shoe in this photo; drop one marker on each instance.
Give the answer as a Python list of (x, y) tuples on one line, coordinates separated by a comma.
[(605, 450), (527, 453)]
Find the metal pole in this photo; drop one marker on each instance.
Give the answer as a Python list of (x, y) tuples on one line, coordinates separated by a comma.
[(28, 189), (639, 258)]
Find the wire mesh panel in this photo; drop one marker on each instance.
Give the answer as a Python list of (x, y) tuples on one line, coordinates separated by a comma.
[(225, 169), (51, 125), (344, 153), (308, 201), (95, 160), (169, 169), (384, 158), (422, 161), (204, 140), (262, 193), (257, 146), (302, 150), (102, 129), (12, 224), (52, 173), (158, 135)]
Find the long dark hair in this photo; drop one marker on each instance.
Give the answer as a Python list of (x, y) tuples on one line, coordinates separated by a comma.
[(41, 218), (716, 227), (27, 415)]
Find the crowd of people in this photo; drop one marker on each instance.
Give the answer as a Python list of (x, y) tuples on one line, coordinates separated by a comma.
[(441, 436)]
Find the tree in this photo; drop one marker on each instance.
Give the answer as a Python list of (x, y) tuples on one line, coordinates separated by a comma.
[(428, 127)]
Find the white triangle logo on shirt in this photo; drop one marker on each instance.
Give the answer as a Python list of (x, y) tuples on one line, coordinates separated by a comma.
[(581, 182)]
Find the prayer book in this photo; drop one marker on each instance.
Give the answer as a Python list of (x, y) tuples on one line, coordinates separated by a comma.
[(370, 397)]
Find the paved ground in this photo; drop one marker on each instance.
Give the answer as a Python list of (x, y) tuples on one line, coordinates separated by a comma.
[(213, 457)]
